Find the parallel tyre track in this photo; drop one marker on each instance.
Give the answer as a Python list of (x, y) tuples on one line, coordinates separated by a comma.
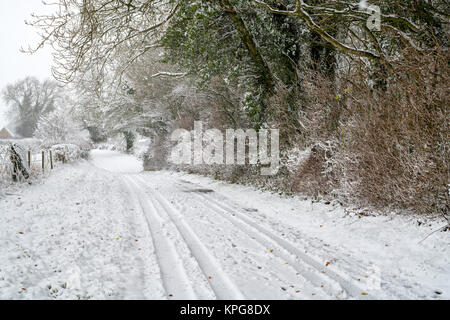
[(173, 275), (222, 286), (318, 274)]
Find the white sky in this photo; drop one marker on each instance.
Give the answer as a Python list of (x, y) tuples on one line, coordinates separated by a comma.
[(14, 34)]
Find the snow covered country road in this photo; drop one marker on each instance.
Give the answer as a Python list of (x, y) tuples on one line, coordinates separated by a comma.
[(104, 229)]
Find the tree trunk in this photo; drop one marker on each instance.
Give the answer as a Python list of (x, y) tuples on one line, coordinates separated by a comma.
[(266, 76)]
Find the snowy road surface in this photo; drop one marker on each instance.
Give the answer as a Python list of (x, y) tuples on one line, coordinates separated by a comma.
[(103, 229)]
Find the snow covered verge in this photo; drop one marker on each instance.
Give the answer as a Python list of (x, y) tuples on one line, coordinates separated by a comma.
[(102, 229)]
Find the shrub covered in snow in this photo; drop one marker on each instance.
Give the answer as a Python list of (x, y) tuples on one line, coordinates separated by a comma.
[(68, 152), (59, 127), (118, 143), (141, 147), (13, 163), (114, 143)]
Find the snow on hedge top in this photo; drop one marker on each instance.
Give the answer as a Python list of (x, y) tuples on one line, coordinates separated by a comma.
[(116, 162)]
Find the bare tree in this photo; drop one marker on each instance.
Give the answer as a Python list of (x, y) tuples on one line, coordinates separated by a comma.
[(28, 100), (90, 35)]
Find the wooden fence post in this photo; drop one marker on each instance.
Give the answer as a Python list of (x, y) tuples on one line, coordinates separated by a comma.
[(29, 159), (51, 160), (43, 161)]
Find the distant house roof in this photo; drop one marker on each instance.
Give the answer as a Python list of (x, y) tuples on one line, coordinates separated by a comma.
[(5, 134)]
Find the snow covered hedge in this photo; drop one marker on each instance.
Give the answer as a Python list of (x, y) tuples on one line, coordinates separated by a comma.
[(68, 152), (117, 143), (60, 132), (59, 127)]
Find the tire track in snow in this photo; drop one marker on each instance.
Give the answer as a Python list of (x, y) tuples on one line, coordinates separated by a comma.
[(173, 275), (393, 288), (338, 285), (308, 273), (149, 265), (348, 283), (219, 281)]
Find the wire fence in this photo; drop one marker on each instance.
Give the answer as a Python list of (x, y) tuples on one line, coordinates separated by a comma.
[(26, 160)]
